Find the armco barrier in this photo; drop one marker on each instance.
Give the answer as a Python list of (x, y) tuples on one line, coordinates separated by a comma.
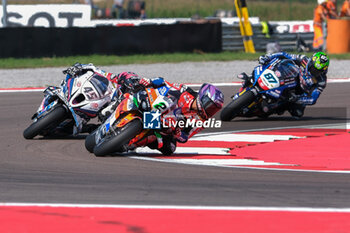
[(232, 39), (48, 42)]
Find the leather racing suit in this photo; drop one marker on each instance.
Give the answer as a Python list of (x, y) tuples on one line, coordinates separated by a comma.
[(182, 98)]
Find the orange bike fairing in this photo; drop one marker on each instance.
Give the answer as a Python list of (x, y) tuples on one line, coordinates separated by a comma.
[(126, 119), (138, 138), (123, 106), (152, 94)]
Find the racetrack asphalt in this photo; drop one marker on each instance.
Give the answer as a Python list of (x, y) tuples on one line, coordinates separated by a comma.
[(62, 171)]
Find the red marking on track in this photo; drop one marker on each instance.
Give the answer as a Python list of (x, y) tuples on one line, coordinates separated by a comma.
[(321, 150), (21, 88), (17, 90), (33, 219), (300, 132), (316, 153)]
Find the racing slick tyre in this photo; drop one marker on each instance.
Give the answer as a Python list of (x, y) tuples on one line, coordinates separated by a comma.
[(90, 142), (234, 108), (117, 142), (47, 122)]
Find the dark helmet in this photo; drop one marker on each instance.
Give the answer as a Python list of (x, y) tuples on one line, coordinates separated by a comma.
[(209, 100), (129, 81), (317, 64), (121, 77)]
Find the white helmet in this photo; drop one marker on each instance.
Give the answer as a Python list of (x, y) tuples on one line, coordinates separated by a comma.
[(321, 1)]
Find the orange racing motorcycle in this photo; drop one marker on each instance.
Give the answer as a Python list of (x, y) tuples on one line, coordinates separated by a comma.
[(125, 128)]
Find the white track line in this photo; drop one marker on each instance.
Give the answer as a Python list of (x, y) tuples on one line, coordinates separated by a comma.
[(182, 207), (229, 137), (189, 150), (214, 162)]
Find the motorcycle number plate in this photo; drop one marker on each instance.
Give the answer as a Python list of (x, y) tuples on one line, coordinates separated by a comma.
[(160, 104), (268, 80)]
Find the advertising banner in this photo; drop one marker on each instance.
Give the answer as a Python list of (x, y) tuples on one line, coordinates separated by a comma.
[(50, 15), (293, 26)]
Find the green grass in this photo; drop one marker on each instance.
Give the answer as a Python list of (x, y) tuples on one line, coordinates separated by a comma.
[(276, 10), (101, 60), (266, 10), (11, 63)]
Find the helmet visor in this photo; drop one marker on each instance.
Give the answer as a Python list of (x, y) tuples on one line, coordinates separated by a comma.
[(313, 70), (208, 106)]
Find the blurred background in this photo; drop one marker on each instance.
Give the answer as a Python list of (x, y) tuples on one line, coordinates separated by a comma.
[(265, 10), (168, 26)]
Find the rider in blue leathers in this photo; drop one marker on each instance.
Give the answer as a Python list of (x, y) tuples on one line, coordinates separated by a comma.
[(312, 82)]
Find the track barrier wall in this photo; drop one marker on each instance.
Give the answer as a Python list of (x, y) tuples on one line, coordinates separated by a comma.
[(110, 40), (232, 39)]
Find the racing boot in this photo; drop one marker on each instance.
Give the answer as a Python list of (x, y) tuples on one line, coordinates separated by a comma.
[(265, 107), (280, 111), (296, 110), (169, 145)]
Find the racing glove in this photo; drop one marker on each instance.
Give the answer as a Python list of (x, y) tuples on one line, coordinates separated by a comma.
[(292, 97), (264, 59), (307, 80), (74, 69), (145, 82), (157, 82)]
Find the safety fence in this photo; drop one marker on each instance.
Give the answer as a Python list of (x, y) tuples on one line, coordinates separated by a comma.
[(110, 40), (232, 39)]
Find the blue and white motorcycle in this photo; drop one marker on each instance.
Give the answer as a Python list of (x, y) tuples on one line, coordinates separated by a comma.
[(66, 109), (266, 92)]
